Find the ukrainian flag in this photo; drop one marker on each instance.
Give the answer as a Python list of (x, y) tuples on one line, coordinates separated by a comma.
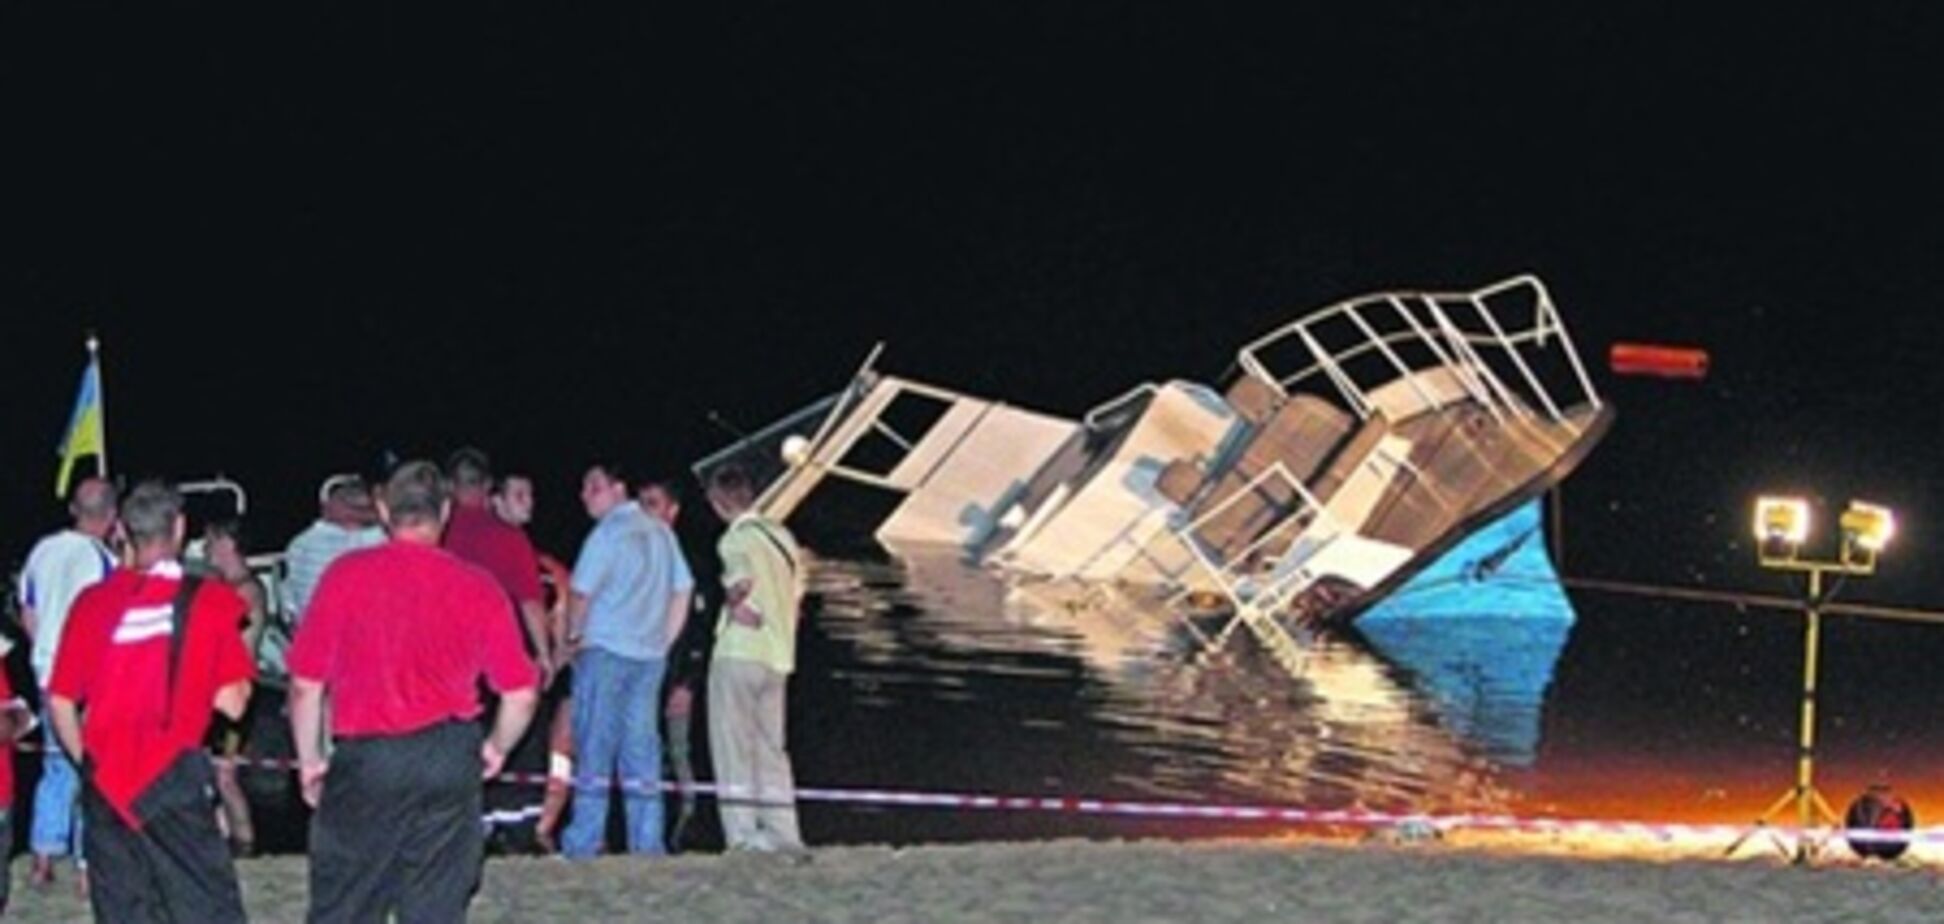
[(84, 431)]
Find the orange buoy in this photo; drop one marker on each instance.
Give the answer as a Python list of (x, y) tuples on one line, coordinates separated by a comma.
[(1668, 362)]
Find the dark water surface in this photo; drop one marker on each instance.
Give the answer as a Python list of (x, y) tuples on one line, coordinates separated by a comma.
[(930, 675)]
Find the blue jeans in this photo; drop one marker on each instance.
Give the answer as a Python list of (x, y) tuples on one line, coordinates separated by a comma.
[(56, 831), (617, 702)]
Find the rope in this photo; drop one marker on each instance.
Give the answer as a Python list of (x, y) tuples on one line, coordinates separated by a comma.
[(1761, 601)]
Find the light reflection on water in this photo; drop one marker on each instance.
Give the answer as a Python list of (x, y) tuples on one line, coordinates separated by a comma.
[(933, 675), (1077, 697)]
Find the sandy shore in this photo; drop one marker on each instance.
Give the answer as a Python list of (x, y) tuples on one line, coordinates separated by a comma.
[(1124, 882)]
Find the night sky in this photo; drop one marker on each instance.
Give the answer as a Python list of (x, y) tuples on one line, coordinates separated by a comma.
[(310, 235)]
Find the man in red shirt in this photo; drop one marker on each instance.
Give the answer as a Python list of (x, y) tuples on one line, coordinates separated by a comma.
[(478, 535), (400, 635), (149, 654), (15, 720)]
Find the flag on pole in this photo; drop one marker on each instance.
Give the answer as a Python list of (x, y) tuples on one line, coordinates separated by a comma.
[(85, 435)]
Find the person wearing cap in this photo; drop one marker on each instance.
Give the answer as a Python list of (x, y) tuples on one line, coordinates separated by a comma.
[(399, 636), (58, 569), (346, 521), (148, 656)]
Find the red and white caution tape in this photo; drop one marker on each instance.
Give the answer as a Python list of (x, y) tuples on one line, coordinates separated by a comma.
[(1206, 811)]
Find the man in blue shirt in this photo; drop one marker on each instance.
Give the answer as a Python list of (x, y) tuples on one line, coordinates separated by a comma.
[(629, 599)]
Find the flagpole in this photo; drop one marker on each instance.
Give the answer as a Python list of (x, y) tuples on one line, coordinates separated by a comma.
[(101, 404)]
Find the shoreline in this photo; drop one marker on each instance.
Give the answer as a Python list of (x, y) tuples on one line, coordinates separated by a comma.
[(1459, 876)]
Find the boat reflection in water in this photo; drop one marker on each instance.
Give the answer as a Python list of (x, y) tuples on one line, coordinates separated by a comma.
[(999, 684), (1478, 634)]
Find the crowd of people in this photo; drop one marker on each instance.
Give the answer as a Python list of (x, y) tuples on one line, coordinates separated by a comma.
[(429, 643)]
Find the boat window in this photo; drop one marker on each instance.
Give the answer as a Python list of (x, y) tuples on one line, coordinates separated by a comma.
[(901, 426)]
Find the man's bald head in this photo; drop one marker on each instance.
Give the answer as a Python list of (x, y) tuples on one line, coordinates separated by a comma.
[(93, 504)]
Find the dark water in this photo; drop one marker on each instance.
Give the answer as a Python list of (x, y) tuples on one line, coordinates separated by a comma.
[(935, 676)]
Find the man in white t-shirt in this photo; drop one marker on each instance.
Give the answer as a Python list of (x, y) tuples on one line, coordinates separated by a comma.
[(347, 520), (58, 569)]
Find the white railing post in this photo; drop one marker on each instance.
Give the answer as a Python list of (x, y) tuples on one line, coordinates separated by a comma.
[(1397, 362), (1352, 395), (1472, 385), (1461, 345), (1532, 381), (1572, 355)]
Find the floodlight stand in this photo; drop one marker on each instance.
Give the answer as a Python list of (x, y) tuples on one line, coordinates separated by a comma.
[(1811, 808)]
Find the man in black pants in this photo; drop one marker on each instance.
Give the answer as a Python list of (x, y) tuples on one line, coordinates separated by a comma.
[(400, 635), (149, 653)]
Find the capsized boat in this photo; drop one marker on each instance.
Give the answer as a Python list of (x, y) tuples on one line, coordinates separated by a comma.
[(1353, 450)]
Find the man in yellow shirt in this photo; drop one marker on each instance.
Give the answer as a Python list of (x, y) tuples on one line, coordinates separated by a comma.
[(755, 652)]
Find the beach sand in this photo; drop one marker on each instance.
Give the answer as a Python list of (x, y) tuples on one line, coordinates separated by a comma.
[(1455, 879)]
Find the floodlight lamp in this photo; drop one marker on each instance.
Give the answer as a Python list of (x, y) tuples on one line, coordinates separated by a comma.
[(1868, 526), (796, 449), (1781, 520)]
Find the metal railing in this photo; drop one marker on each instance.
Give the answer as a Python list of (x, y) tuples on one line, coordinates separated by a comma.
[(1112, 405), (1458, 331), (1255, 606)]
